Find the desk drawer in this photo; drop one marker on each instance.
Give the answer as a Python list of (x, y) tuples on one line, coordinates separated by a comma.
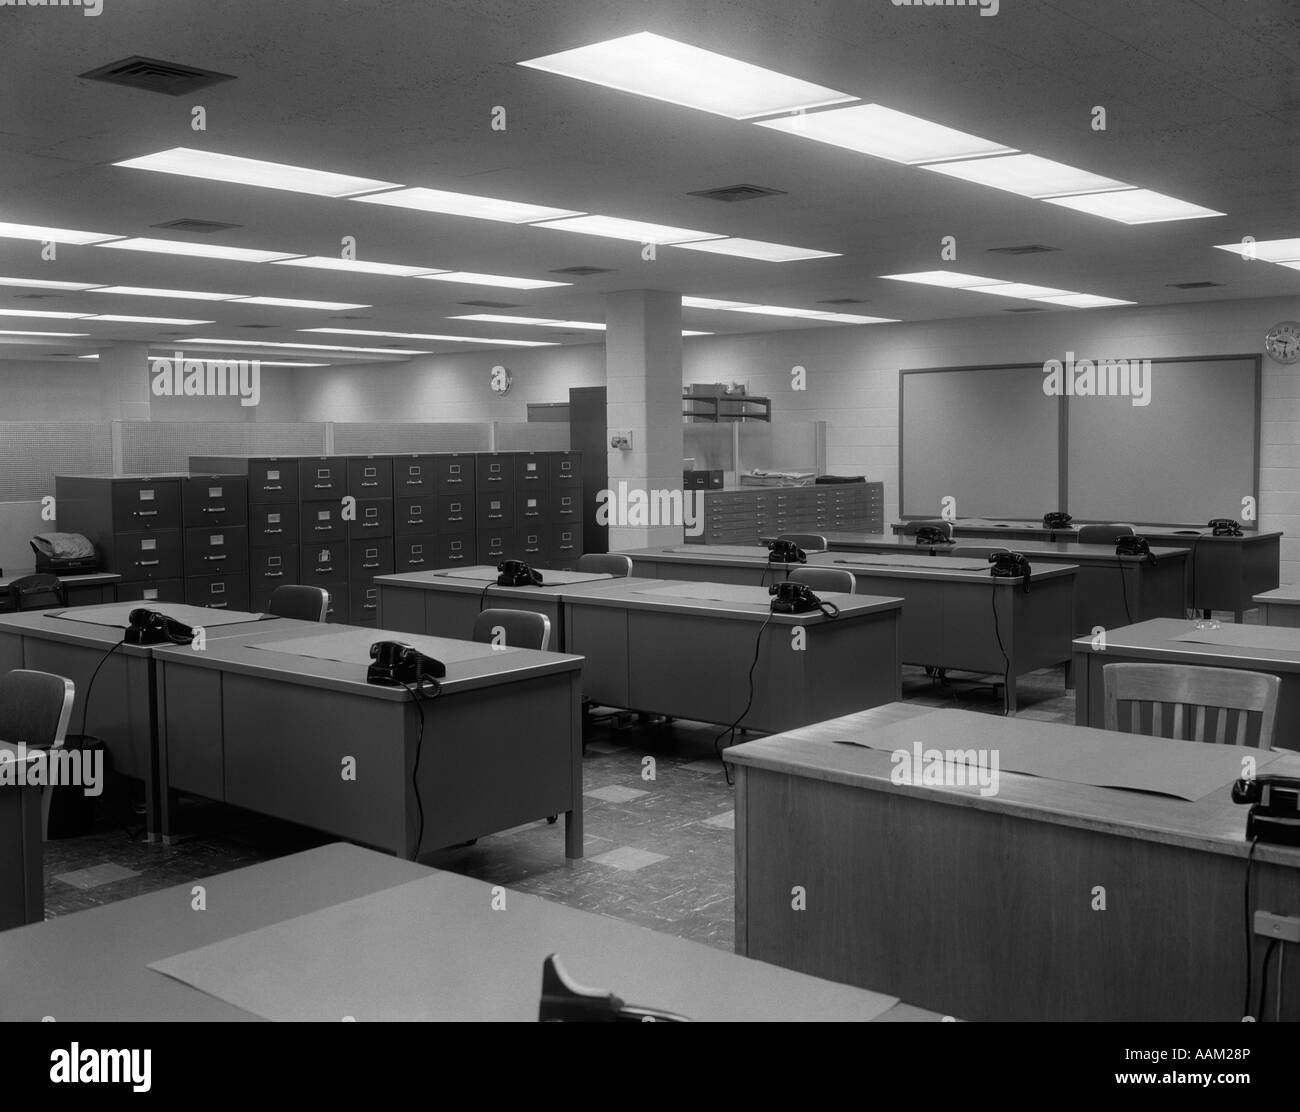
[(321, 523), (218, 592), (273, 523), (370, 477), (322, 478), (532, 508), (454, 474), (414, 476), (456, 513), (214, 500), (158, 590), (222, 551), (495, 510), (272, 567), (369, 558), (146, 504), (374, 519), (320, 564), (149, 556)]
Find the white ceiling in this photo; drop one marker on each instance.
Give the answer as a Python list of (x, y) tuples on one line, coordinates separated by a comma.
[(1202, 97)]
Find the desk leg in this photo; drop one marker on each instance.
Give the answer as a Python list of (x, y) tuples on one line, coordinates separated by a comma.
[(1009, 691), (573, 841)]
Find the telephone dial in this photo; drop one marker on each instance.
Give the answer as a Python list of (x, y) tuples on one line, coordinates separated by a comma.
[(396, 665), (1129, 545), (1224, 527), (151, 627), (932, 534), (1010, 565), (797, 598), (1057, 520), (1275, 814), (515, 573), (785, 552)]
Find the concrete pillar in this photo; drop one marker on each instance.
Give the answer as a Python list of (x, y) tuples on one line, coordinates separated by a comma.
[(124, 382)]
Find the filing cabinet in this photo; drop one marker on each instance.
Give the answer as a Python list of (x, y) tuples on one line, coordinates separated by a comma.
[(496, 545), (455, 473), (148, 555), (532, 470), (363, 603), (532, 508), (414, 475), (455, 550), (218, 592), (370, 476), (374, 519), (417, 553), (269, 568), (323, 564), (158, 590), (495, 470), (533, 544), (322, 478), (495, 510), (456, 513), (273, 524), (216, 551), (270, 478), (212, 500), (566, 505), (566, 471), (321, 523), (369, 558), (566, 544), (414, 516)]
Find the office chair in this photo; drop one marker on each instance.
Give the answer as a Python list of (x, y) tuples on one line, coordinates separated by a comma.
[(38, 592), (306, 604), (809, 542), (522, 629), (825, 579), (606, 563), (1103, 534), (35, 708), (1214, 693)]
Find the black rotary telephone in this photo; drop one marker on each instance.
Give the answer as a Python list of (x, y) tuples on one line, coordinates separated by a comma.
[(396, 665), (797, 598), (1275, 816), (932, 534), (1130, 545), (1010, 565), (1224, 527), (1057, 520), (566, 1001), (785, 552), (151, 627), (515, 573)]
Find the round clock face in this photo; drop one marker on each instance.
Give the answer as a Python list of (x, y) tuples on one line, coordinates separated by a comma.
[(500, 380), (1283, 342)]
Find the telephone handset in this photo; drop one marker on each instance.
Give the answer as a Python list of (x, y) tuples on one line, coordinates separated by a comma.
[(798, 598), (1275, 814), (785, 552), (151, 627), (932, 534), (1057, 520), (515, 573), (1224, 527), (1010, 565), (395, 665), (1130, 545)]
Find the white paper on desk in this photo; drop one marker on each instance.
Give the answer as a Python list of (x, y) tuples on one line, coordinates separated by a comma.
[(436, 949), (550, 577), (1245, 637), (352, 646), (116, 614), (1075, 754)]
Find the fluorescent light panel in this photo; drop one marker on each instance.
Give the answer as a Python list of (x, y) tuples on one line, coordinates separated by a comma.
[(466, 204), (501, 280), (51, 235), (710, 303), (44, 313), (199, 250), (885, 133), (146, 320), (952, 279), (1082, 301), (358, 266), (1029, 176), (651, 65), (251, 171), (46, 284), (544, 322), (757, 249), (430, 336), (208, 342), (7, 332), (298, 303), (1135, 206), (1282, 251), (780, 311), (637, 230), (190, 295), (1023, 290)]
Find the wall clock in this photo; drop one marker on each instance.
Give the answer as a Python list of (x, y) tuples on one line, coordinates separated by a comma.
[(1283, 342), (500, 380)]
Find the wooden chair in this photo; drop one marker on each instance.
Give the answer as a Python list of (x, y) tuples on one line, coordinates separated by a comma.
[(522, 629), (1102, 534), (1210, 694), (306, 604), (809, 542), (605, 563), (826, 579)]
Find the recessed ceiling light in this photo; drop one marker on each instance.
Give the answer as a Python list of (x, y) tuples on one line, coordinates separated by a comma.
[(710, 303), (207, 342), (501, 280), (466, 204), (357, 266), (1135, 206), (251, 171), (651, 65), (46, 284), (51, 235), (7, 332), (1266, 250), (813, 314), (636, 230), (41, 313), (1029, 176), (952, 279), (1018, 289), (199, 250), (544, 322), (757, 249), (190, 295), (1083, 300), (146, 320), (876, 130), (430, 336), (297, 303)]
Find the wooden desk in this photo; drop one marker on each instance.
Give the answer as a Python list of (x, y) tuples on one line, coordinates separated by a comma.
[(270, 730), (94, 965), (1281, 606), (22, 866), (666, 648), (1260, 649), (1223, 572), (982, 907), (123, 713), (445, 603), (82, 590)]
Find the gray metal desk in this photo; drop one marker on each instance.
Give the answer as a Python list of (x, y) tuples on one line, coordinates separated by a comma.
[(1281, 606), (22, 866)]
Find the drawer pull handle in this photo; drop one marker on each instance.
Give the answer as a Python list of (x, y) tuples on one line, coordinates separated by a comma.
[(272, 532), (322, 486), (455, 519), (413, 563), (221, 557), (276, 487), (217, 605), (369, 606), (147, 563), (415, 521), (322, 528), (214, 509), (273, 575), (146, 513), (375, 565), (370, 525)]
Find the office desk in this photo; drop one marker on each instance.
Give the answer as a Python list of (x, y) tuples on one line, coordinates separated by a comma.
[(982, 906), (122, 714), (256, 723), (82, 590), (445, 603), (22, 867), (463, 962), (1256, 648), (1280, 607), (685, 650), (1223, 572)]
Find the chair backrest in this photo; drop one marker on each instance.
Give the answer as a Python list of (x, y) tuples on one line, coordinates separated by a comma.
[(910, 527), (1103, 534), (35, 708), (519, 629), (825, 579), (38, 592), (1214, 696), (605, 563), (809, 542), (293, 600)]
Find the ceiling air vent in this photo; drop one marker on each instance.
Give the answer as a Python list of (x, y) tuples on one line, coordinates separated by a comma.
[(202, 227), (1023, 249), (1193, 285), (259, 326), (38, 296), (733, 193), (354, 316), (491, 304), (154, 76), (1026, 309), (843, 301), (583, 271)]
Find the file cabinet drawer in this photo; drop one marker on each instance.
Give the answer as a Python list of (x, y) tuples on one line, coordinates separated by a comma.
[(566, 506), (532, 508), (566, 470), (272, 567), (321, 523), (218, 592), (413, 516), (415, 553), (496, 471), (533, 543), (363, 604), (321, 564), (414, 475), (532, 469), (322, 478), (495, 545), (149, 556), (496, 510), (370, 476), (369, 558), (566, 542), (222, 551), (140, 504), (374, 519), (456, 514), (146, 591), (455, 550), (272, 480), (273, 523), (214, 500), (454, 473)]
